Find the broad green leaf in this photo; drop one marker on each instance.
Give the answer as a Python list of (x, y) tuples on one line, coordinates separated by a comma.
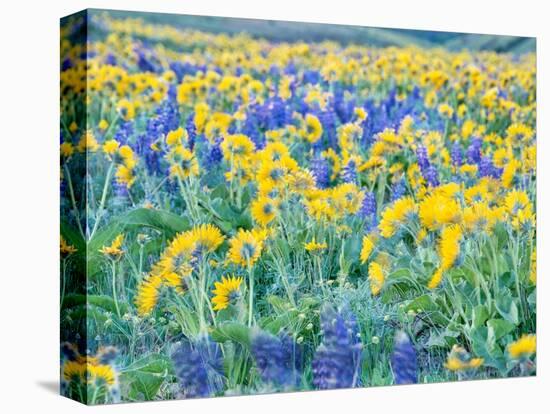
[(233, 331), (499, 328)]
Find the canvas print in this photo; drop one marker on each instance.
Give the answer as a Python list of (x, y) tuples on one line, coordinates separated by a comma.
[(254, 206)]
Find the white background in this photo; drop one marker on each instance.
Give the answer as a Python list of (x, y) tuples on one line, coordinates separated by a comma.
[(29, 204)]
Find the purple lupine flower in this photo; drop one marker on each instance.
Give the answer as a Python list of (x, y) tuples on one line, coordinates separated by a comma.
[(488, 169), (320, 170), (328, 120), (124, 131), (199, 367), (191, 130), (278, 359), (368, 207), (337, 361), (432, 176), (422, 157), (398, 190), (456, 154), (349, 172), (213, 153), (473, 152), (403, 361)]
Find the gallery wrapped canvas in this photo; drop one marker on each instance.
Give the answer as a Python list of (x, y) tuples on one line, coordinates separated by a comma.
[(256, 206)]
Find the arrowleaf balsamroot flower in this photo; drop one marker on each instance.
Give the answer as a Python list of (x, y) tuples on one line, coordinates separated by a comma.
[(461, 360), (368, 246), (313, 246), (264, 210), (376, 277), (148, 294), (524, 347), (245, 247), (227, 292), (396, 215), (313, 128), (65, 248), (404, 361), (449, 250), (114, 250)]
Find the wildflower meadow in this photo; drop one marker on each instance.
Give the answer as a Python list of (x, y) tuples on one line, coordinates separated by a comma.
[(243, 215)]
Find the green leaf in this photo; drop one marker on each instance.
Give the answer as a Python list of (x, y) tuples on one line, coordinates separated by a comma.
[(144, 377), (480, 314), (100, 301), (499, 328), (232, 331), (507, 308), (163, 221), (424, 303)]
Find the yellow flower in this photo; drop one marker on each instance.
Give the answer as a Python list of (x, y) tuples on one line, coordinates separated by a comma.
[(245, 247), (175, 137), (125, 176), (314, 129), (524, 347), (445, 110), (66, 149), (237, 148), (276, 172), (460, 360), (128, 156), (264, 210), (114, 250), (103, 125), (516, 201), (147, 294), (368, 246), (479, 217), (74, 371), (396, 215), (519, 208), (183, 162), (88, 142), (126, 109), (436, 279), (360, 113), (73, 127), (207, 238), (313, 246), (174, 262), (226, 292), (449, 245), (519, 133), (110, 146), (347, 198), (376, 278), (65, 248), (509, 172), (301, 181), (437, 210), (101, 374)]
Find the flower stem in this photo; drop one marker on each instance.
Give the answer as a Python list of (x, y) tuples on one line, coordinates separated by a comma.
[(250, 292), (101, 210), (115, 299)]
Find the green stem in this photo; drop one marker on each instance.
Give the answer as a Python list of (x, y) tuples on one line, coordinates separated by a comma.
[(63, 280), (250, 292), (113, 271), (73, 200), (101, 210)]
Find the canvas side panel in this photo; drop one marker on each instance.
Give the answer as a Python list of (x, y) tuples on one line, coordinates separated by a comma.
[(73, 245)]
